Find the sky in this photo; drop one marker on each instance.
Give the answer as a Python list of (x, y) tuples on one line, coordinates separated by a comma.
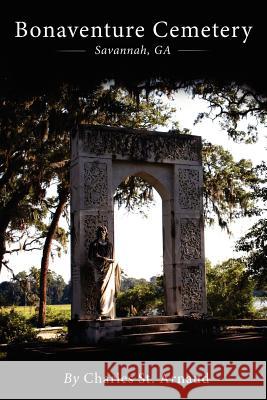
[(138, 240)]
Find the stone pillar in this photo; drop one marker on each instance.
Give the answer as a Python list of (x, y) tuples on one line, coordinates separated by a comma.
[(189, 240), (168, 248), (91, 205)]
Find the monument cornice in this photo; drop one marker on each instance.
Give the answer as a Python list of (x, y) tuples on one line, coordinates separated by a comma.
[(138, 144)]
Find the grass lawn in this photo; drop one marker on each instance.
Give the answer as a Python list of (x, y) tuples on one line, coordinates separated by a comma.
[(57, 314), (29, 311)]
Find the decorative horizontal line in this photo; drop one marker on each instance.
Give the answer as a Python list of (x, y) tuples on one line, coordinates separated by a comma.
[(71, 51), (194, 50)]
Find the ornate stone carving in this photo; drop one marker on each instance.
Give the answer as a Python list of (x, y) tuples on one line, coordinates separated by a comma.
[(189, 190), (75, 271), (192, 287), (95, 184), (141, 145), (190, 239), (89, 290)]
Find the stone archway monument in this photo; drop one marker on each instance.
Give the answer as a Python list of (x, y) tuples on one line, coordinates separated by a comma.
[(102, 157)]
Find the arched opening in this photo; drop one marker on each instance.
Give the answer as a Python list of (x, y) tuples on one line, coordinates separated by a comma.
[(138, 244)]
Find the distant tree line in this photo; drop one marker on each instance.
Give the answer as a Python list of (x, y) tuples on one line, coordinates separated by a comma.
[(230, 293), (23, 289), (140, 297)]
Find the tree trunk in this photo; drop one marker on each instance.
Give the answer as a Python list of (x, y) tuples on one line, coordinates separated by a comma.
[(6, 215), (63, 197), (2, 248)]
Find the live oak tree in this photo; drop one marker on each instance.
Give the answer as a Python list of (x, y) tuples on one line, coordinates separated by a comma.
[(255, 241), (229, 186), (26, 165), (241, 111), (32, 153)]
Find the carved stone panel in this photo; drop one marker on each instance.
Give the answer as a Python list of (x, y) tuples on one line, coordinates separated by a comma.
[(189, 189), (192, 289), (141, 145), (89, 290), (190, 239), (95, 185)]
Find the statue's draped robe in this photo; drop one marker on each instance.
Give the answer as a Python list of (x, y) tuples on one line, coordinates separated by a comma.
[(106, 276)]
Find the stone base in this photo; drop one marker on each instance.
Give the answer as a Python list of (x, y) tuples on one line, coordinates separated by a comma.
[(93, 332)]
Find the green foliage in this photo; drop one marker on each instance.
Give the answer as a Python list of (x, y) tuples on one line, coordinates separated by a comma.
[(261, 313), (66, 295), (116, 107), (255, 240), (255, 244), (145, 298), (32, 154), (14, 328), (129, 282), (134, 193), (229, 290), (229, 186), (24, 289), (10, 293)]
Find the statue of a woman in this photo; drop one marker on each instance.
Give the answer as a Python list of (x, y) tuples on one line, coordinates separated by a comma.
[(106, 274)]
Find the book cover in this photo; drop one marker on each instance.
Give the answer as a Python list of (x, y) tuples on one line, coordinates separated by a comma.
[(84, 72)]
